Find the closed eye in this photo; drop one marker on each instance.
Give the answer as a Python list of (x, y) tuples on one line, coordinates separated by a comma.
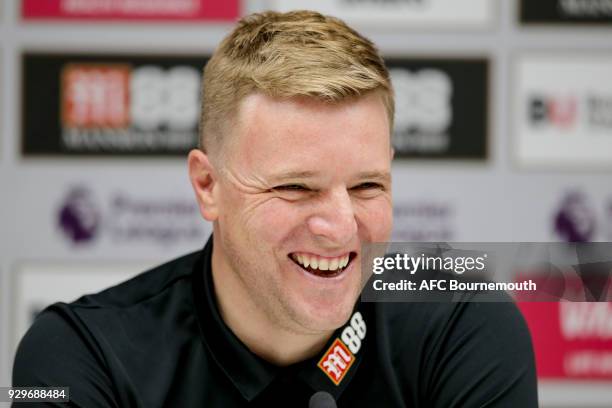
[(291, 187), (368, 186)]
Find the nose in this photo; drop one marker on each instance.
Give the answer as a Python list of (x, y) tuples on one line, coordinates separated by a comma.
[(333, 221)]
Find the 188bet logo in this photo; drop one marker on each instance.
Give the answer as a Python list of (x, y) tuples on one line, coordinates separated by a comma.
[(148, 97), (340, 356)]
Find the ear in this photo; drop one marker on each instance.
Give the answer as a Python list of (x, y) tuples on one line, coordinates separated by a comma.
[(205, 183)]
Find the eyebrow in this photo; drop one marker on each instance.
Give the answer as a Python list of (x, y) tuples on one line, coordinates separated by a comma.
[(383, 176), (293, 175)]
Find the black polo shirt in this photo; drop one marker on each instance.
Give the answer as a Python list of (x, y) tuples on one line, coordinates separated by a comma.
[(159, 340)]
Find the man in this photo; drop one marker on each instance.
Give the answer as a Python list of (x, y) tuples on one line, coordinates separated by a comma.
[(294, 174)]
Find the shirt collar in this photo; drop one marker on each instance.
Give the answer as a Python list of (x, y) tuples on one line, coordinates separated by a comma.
[(251, 374)]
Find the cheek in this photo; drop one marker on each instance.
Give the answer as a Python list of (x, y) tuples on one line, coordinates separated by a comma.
[(267, 220), (376, 219)]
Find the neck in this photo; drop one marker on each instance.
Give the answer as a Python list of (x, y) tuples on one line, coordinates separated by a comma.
[(253, 326)]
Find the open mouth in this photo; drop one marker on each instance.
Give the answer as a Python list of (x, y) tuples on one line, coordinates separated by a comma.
[(324, 267)]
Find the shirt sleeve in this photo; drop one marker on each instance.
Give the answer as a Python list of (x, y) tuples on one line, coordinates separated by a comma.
[(484, 359), (58, 351)]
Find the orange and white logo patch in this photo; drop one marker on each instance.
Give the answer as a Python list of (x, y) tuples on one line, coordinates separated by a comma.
[(96, 95), (336, 361)]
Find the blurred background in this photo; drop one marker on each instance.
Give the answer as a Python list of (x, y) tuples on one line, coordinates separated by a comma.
[(503, 133)]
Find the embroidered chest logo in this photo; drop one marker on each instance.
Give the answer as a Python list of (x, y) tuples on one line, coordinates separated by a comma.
[(340, 356)]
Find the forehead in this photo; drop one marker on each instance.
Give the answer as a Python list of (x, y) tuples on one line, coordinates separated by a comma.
[(306, 134)]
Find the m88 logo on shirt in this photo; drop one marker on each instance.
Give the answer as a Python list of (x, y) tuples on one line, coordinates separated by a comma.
[(340, 356)]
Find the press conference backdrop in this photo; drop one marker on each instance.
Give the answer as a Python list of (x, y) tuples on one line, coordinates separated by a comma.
[(503, 133)]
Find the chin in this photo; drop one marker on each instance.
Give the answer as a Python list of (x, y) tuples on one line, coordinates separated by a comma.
[(328, 317)]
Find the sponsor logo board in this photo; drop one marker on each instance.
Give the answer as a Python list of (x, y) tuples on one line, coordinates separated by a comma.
[(441, 107), (130, 10), (563, 110), (598, 12), (413, 14), (79, 104)]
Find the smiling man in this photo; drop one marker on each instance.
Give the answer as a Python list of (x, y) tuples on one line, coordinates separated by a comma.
[(302, 184), (294, 173)]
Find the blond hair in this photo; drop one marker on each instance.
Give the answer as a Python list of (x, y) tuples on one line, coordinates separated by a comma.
[(294, 54)]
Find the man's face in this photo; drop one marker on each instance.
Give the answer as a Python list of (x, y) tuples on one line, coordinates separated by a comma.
[(304, 181)]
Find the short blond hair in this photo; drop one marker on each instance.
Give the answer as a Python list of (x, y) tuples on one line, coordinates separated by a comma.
[(285, 55)]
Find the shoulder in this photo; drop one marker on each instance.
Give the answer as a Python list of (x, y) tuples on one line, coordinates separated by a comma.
[(449, 319), (56, 352), (80, 344), (143, 286), (464, 353)]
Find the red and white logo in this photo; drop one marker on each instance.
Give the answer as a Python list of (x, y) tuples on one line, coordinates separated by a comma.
[(340, 356), (572, 340), (336, 361), (96, 96), (118, 96), (131, 10)]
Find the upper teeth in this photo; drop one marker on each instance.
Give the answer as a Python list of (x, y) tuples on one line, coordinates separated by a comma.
[(323, 264)]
